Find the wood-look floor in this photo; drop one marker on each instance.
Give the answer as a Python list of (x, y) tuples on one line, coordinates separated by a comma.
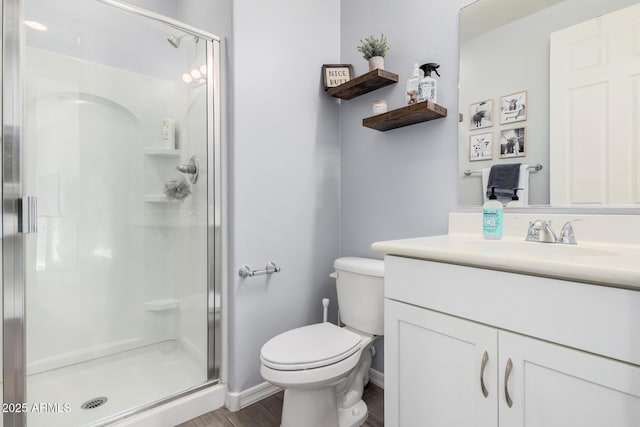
[(267, 412)]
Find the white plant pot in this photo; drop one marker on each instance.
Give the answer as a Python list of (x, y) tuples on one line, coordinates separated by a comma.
[(376, 62)]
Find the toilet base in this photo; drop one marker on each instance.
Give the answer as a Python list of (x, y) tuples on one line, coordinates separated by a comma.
[(310, 407), (354, 416), (317, 408), (330, 396)]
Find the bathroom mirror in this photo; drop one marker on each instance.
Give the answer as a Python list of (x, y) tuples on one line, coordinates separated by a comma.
[(519, 104)]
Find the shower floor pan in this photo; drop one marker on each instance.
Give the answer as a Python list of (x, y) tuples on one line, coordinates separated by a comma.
[(127, 380)]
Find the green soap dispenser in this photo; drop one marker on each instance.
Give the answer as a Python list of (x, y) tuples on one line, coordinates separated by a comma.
[(492, 217)]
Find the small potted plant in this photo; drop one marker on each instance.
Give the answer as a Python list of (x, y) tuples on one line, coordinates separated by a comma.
[(374, 51)]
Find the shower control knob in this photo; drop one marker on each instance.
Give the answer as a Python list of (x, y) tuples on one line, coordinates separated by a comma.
[(192, 168)]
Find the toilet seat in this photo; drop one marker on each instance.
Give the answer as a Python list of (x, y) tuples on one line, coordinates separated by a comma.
[(309, 347)]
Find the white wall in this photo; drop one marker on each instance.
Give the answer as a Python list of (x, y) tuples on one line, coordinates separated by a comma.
[(400, 183), (285, 179), (101, 252)]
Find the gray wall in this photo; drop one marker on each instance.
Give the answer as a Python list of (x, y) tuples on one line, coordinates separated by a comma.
[(285, 157), (308, 182), (400, 183), (284, 165), (214, 16)]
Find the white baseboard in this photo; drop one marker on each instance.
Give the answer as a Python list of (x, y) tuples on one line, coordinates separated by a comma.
[(238, 400), (376, 378)]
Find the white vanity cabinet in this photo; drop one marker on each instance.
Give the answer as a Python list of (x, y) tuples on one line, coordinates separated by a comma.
[(434, 370), (554, 386), (574, 349)]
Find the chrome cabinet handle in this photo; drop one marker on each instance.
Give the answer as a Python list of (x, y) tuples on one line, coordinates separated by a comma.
[(507, 373), (485, 359)]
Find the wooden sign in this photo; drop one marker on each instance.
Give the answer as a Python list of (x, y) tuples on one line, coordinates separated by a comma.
[(335, 74)]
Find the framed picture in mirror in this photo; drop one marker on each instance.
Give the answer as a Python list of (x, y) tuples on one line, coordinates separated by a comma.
[(513, 107), (481, 147), (513, 142), (481, 114)]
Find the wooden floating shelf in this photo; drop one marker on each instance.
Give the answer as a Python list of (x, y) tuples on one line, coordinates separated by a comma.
[(363, 84), (405, 116)]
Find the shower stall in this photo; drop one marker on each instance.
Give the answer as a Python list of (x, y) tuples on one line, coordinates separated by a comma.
[(111, 188)]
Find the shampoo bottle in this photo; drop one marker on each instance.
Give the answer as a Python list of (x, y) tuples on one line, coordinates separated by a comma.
[(428, 87), (168, 133), (492, 217), (412, 86)]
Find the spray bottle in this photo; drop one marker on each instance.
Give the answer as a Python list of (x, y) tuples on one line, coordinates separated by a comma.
[(428, 87)]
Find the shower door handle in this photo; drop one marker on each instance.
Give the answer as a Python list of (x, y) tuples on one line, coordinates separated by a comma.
[(28, 217)]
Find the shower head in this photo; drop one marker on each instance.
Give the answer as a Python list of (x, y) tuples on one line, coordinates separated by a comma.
[(174, 41)]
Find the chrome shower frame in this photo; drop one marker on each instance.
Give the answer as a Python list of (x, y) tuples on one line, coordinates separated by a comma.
[(13, 245), (13, 241)]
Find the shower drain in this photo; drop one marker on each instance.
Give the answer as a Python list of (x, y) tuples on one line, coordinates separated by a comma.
[(94, 403)]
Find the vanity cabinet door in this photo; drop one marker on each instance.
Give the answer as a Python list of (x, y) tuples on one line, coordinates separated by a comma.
[(555, 386), (434, 370)]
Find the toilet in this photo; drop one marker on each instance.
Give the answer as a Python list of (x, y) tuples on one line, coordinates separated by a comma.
[(323, 368)]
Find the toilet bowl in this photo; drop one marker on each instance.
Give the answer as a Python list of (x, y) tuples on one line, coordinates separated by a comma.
[(322, 367)]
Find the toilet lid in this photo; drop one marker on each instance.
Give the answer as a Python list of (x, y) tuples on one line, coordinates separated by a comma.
[(309, 347)]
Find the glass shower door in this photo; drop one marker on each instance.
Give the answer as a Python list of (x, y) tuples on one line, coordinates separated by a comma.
[(117, 148)]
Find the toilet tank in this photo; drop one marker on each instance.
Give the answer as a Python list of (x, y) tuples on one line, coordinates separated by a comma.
[(360, 288)]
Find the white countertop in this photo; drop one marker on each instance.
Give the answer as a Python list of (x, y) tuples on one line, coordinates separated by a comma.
[(598, 262)]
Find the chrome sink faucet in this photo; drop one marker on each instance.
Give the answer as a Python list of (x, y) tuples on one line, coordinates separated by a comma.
[(540, 231), (567, 236)]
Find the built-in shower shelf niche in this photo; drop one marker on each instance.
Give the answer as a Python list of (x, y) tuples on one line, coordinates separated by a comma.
[(163, 161), (158, 198), (164, 304), (161, 152)]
